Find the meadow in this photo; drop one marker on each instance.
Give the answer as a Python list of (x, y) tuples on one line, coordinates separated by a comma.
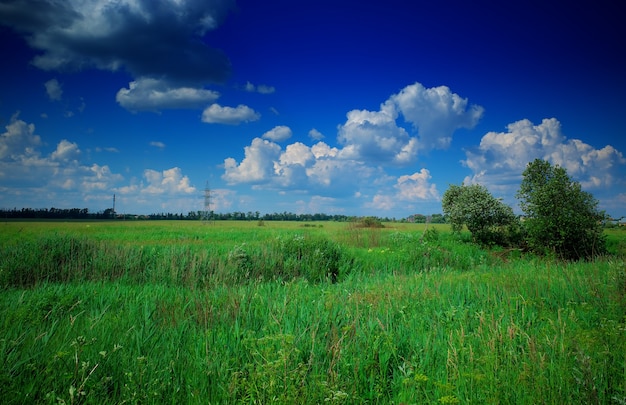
[(230, 312)]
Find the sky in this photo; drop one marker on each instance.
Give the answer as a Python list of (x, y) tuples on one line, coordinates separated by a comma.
[(328, 106)]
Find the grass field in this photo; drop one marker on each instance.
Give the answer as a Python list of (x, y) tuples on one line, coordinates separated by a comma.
[(289, 312)]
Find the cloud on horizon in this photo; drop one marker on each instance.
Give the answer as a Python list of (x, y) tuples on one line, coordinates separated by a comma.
[(369, 142), (62, 177), (500, 159)]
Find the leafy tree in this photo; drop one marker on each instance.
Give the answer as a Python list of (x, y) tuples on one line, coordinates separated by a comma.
[(488, 219), (560, 217)]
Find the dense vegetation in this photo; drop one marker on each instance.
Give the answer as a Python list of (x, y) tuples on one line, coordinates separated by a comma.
[(559, 218), (232, 312)]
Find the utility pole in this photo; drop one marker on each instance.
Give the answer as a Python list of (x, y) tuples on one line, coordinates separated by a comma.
[(207, 215)]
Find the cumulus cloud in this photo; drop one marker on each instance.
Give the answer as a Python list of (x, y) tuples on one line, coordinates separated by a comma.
[(97, 178), (291, 168), (146, 94), (501, 157), (374, 136), (278, 134), (416, 186), (318, 169), (434, 113), (148, 39), (407, 190), (170, 181), (19, 138), (33, 173), (216, 114), (257, 165), (369, 142), (32, 177), (66, 151), (53, 89)]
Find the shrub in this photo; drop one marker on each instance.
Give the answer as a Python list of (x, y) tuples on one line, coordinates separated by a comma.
[(489, 220), (313, 258), (369, 222)]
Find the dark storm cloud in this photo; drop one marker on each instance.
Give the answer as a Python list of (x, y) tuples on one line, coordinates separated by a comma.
[(159, 39)]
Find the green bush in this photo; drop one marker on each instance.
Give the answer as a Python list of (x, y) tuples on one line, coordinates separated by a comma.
[(314, 258), (490, 221)]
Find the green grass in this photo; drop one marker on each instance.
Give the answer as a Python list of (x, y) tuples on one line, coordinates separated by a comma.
[(180, 312)]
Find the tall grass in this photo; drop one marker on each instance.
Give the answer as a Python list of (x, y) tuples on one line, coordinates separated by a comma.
[(412, 318)]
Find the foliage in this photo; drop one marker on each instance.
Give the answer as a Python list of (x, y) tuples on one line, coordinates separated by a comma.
[(368, 222), (489, 220), (560, 217)]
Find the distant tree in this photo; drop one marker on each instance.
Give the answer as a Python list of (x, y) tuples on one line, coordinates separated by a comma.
[(437, 219), (489, 220), (560, 218)]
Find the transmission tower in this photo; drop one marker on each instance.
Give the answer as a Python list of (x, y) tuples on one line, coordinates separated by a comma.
[(207, 214)]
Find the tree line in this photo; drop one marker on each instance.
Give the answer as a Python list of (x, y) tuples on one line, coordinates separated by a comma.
[(85, 214)]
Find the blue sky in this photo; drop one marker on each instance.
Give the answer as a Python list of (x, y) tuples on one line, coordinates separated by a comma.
[(340, 107)]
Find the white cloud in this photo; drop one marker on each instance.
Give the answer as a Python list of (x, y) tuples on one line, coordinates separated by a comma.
[(30, 176), (316, 135), (170, 182), (145, 94), (436, 113), (98, 178), (321, 149), (370, 141), (157, 144), (290, 169), (19, 138), (501, 157), (257, 165), (416, 187), (382, 202), (53, 89), (318, 169), (408, 190), (216, 114), (66, 151), (297, 154), (338, 177), (375, 137), (278, 134)]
